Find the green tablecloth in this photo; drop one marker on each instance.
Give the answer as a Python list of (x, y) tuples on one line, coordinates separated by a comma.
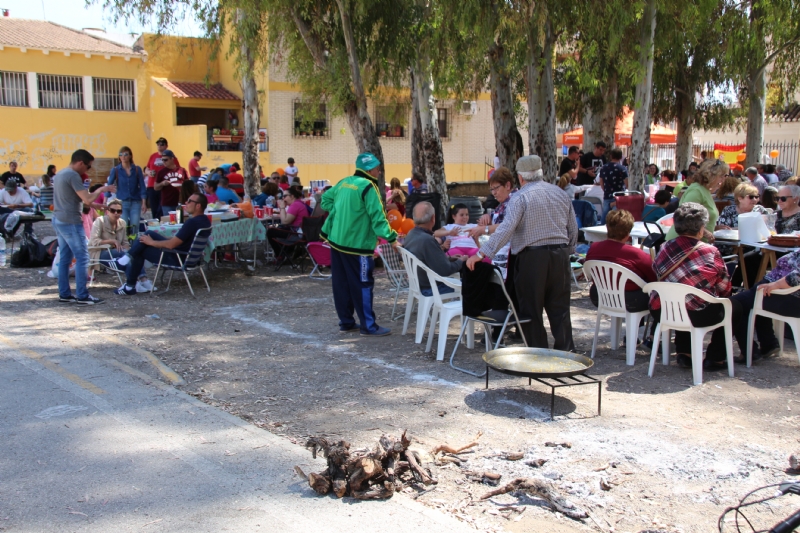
[(223, 233)]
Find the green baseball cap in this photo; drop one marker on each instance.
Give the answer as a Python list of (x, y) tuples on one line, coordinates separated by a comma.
[(367, 162)]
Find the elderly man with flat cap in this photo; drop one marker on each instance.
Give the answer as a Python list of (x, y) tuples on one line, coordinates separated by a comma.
[(355, 221), (540, 223)]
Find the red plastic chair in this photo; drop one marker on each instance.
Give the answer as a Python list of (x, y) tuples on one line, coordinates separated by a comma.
[(320, 254)]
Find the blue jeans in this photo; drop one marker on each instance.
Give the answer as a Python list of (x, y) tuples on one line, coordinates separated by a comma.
[(606, 209), (443, 289), (139, 252), (131, 212), (72, 243), (155, 201), (106, 256)]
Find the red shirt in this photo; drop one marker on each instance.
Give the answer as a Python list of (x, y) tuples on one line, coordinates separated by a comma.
[(625, 255), (194, 168), (170, 194), (155, 163), (235, 177), (284, 186)]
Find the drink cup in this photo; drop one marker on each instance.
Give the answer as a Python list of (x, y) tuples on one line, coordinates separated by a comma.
[(269, 211), (173, 217), (210, 218)]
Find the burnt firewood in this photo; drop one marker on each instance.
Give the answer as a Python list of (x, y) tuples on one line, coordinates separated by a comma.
[(545, 491), (375, 492), (320, 483)]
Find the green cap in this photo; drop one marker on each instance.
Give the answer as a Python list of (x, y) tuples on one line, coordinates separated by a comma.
[(366, 162)]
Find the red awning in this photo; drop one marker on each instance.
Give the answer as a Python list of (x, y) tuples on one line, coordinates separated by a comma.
[(623, 132)]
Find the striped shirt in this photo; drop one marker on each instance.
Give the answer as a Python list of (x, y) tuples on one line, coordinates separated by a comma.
[(538, 214)]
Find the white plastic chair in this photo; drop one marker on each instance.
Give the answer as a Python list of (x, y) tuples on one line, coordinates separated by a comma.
[(777, 320), (610, 280), (395, 271), (441, 310), (425, 303), (666, 221), (674, 315)]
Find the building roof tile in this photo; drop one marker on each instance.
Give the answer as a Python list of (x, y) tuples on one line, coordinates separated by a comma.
[(193, 89), (788, 114), (42, 34)]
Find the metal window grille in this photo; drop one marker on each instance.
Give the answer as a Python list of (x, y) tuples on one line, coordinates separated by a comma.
[(444, 122), (112, 94), (310, 120), (391, 120), (13, 89), (60, 92)]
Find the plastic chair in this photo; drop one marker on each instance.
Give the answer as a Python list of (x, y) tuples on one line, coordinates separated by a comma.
[(666, 221), (777, 320), (674, 315), (320, 254), (395, 271), (99, 262), (489, 319), (610, 280), (425, 303), (441, 310), (187, 261)]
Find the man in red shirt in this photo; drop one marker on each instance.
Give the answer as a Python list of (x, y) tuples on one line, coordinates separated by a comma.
[(195, 170), (168, 182), (154, 164), (235, 177)]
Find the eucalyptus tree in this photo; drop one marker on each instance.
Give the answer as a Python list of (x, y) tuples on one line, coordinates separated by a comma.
[(764, 43), (241, 22), (639, 154)]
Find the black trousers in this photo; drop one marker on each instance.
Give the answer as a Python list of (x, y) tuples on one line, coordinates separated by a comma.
[(711, 314), (542, 283), (782, 304)]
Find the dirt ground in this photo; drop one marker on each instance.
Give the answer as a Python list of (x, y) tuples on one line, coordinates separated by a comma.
[(664, 455)]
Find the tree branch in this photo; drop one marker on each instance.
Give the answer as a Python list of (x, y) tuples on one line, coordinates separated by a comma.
[(312, 42)]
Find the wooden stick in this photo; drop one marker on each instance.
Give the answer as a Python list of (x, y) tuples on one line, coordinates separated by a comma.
[(446, 448), (417, 470), (544, 491)]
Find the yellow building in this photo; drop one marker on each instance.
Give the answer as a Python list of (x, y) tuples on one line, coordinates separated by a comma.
[(62, 89)]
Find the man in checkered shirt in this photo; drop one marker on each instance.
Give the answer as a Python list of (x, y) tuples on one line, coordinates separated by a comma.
[(540, 223)]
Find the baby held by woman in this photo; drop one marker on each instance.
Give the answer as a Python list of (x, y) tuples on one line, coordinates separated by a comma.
[(456, 233)]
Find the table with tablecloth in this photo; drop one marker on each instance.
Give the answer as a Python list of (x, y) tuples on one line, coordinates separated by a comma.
[(222, 233)]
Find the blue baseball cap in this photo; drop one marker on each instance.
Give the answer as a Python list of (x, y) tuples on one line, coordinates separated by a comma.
[(367, 162)]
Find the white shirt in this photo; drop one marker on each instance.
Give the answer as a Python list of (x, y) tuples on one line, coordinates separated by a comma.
[(462, 240), (292, 171), (20, 197)]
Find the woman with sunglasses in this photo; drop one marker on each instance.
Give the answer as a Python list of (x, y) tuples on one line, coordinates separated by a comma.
[(789, 214), (745, 197), (131, 190), (109, 229)]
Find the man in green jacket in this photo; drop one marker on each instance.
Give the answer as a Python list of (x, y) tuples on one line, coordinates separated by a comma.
[(356, 219)]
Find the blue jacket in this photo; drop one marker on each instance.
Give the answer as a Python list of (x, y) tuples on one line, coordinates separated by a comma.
[(129, 186)]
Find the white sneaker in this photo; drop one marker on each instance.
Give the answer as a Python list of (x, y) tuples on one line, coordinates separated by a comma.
[(145, 286)]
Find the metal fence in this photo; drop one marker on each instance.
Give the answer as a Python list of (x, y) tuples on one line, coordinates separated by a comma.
[(60, 92), (663, 155), (14, 89)]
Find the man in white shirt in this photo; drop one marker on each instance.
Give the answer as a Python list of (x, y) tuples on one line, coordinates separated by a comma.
[(291, 170), (14, 197)]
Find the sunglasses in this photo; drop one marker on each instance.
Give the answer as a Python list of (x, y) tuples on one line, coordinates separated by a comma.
[(165, 159), (190, 201), (784, 198), (124, 154), (161, 144), (753, 196), (117, 211), (492, 189)]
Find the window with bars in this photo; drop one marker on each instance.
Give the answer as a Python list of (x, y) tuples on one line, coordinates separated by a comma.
[(444, 122), (111, 94), (391, 120), (13, 89), (60, 92), (310, 120)]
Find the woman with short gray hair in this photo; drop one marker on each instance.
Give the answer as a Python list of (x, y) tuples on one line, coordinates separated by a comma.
[(789, 215), (687, 259)]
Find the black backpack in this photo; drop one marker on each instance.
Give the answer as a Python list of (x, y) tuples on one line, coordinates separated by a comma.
[(31, 253)]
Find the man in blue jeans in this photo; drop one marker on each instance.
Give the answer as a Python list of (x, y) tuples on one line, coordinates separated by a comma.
[(613, 177), (148, 246), (69, 197)]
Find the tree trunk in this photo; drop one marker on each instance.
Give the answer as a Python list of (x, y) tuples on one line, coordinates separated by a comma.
[(429, 122), (356, 110), (756, 116), (599, 124), (252, 178), (541, 101), (685, 104), (505, 124), (640, 138), (417, 150)]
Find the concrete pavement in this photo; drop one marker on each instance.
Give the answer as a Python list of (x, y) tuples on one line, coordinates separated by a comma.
[(90, 444)]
